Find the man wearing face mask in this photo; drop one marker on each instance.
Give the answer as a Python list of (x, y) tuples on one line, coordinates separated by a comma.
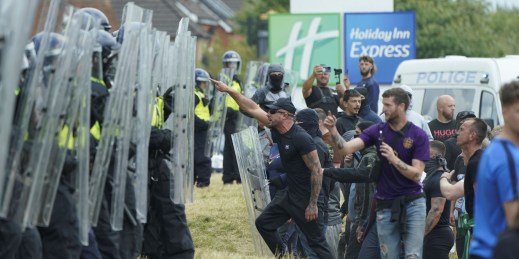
[(273, 89)]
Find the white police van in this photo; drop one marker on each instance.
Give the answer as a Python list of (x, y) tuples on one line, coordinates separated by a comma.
[(473, 82)]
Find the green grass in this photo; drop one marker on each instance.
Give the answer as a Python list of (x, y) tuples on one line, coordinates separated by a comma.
[(219, 222)]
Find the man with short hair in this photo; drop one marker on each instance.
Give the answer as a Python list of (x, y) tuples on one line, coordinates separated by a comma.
[(438, 239), (452, 149), (319, 95), (301, 163), (497, 204), (444, 127), (400, 202), (367, 70), (471, 134), (350, 104)]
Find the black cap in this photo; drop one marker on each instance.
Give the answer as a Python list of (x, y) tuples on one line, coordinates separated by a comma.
[(282, 103), (464, 115), (307, 116)]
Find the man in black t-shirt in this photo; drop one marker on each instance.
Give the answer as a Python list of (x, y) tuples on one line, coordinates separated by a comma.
[(444, 126), (438, 238), (452, 149), (319, 95), (471, 134), (301, 162)]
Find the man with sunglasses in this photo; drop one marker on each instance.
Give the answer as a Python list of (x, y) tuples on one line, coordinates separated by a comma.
[(301, 162), (319, 95)]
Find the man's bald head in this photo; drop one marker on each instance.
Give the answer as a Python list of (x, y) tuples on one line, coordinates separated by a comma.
[(445, 106)]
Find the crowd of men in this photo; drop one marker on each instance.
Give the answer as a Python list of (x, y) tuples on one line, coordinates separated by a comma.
[(412, 188)]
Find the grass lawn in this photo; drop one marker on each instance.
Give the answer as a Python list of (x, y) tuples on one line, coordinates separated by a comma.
[(219, 223)]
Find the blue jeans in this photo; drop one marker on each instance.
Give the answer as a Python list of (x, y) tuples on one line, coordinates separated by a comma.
[(389, 235)]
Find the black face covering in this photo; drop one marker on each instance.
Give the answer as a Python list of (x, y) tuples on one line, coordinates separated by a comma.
[(276, 81), (430, 166)]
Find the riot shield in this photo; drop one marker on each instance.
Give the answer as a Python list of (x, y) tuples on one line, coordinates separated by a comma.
[(254, 180), (132, 119), (80, 45), (113, 147), (182, 60), (219, 112), (290, 79), (37, 119), (142, 136), (253, 80), (14, 34)]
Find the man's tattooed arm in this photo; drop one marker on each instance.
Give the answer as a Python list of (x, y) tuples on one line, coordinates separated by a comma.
[(312, 162), (433, 216)]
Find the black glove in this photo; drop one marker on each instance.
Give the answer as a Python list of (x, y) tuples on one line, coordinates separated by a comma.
[(165, 145), (276, 182), (168, 102)]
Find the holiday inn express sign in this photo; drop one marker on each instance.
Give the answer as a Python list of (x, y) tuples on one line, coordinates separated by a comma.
[(299, 41)]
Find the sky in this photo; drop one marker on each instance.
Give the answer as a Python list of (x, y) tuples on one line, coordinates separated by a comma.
[(505, 3)]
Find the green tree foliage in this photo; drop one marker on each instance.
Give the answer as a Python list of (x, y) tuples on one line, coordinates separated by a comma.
[(212, 57), (444, 27), (462, 27)]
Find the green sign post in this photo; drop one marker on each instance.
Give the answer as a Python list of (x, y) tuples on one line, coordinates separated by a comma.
[(300, 41)]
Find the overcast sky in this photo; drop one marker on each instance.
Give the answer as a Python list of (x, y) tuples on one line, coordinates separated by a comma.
[(505, 3)]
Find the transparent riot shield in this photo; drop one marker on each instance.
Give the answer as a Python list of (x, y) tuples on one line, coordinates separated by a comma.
[(252, 83), (14, 34), (81, 134), (254, 180), (136, 97), (79, 61), (113, 147), (215, 134), (182, 64), (142, 136), (37, 117), (290, 79)]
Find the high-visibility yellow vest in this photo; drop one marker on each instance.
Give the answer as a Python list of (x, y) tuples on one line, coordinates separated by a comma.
[(95, 130), (201, 110), (62, 138), (157, 119), (229, 101)]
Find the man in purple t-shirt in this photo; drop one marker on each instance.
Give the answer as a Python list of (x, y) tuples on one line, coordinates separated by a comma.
[(403, 148)]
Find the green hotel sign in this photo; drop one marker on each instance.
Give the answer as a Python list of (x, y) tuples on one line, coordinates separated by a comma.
[(300, 41)]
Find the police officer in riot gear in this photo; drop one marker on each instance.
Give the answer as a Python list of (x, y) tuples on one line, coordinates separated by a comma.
[(103, 63), (166, 234), (202, 117), (231, 59)]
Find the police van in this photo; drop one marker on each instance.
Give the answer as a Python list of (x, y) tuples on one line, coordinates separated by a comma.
[(473, 82)]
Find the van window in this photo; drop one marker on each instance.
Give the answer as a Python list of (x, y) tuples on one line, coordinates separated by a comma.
[(488, 109), (464, 99)]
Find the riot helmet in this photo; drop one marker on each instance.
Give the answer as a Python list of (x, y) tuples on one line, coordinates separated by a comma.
[(202, 79), (231, 59), (105, 56), (55, 44), (99, 16)]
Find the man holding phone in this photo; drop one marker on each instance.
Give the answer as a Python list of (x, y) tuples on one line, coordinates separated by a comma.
[(319, 95)]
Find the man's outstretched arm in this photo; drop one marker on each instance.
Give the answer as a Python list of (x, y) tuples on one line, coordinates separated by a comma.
[(246, 104)]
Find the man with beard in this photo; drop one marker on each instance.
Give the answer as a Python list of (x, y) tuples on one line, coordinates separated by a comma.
[(367, 70), (350, 104), (319, 95), (301, 162), (444, 126), (403, 148)]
